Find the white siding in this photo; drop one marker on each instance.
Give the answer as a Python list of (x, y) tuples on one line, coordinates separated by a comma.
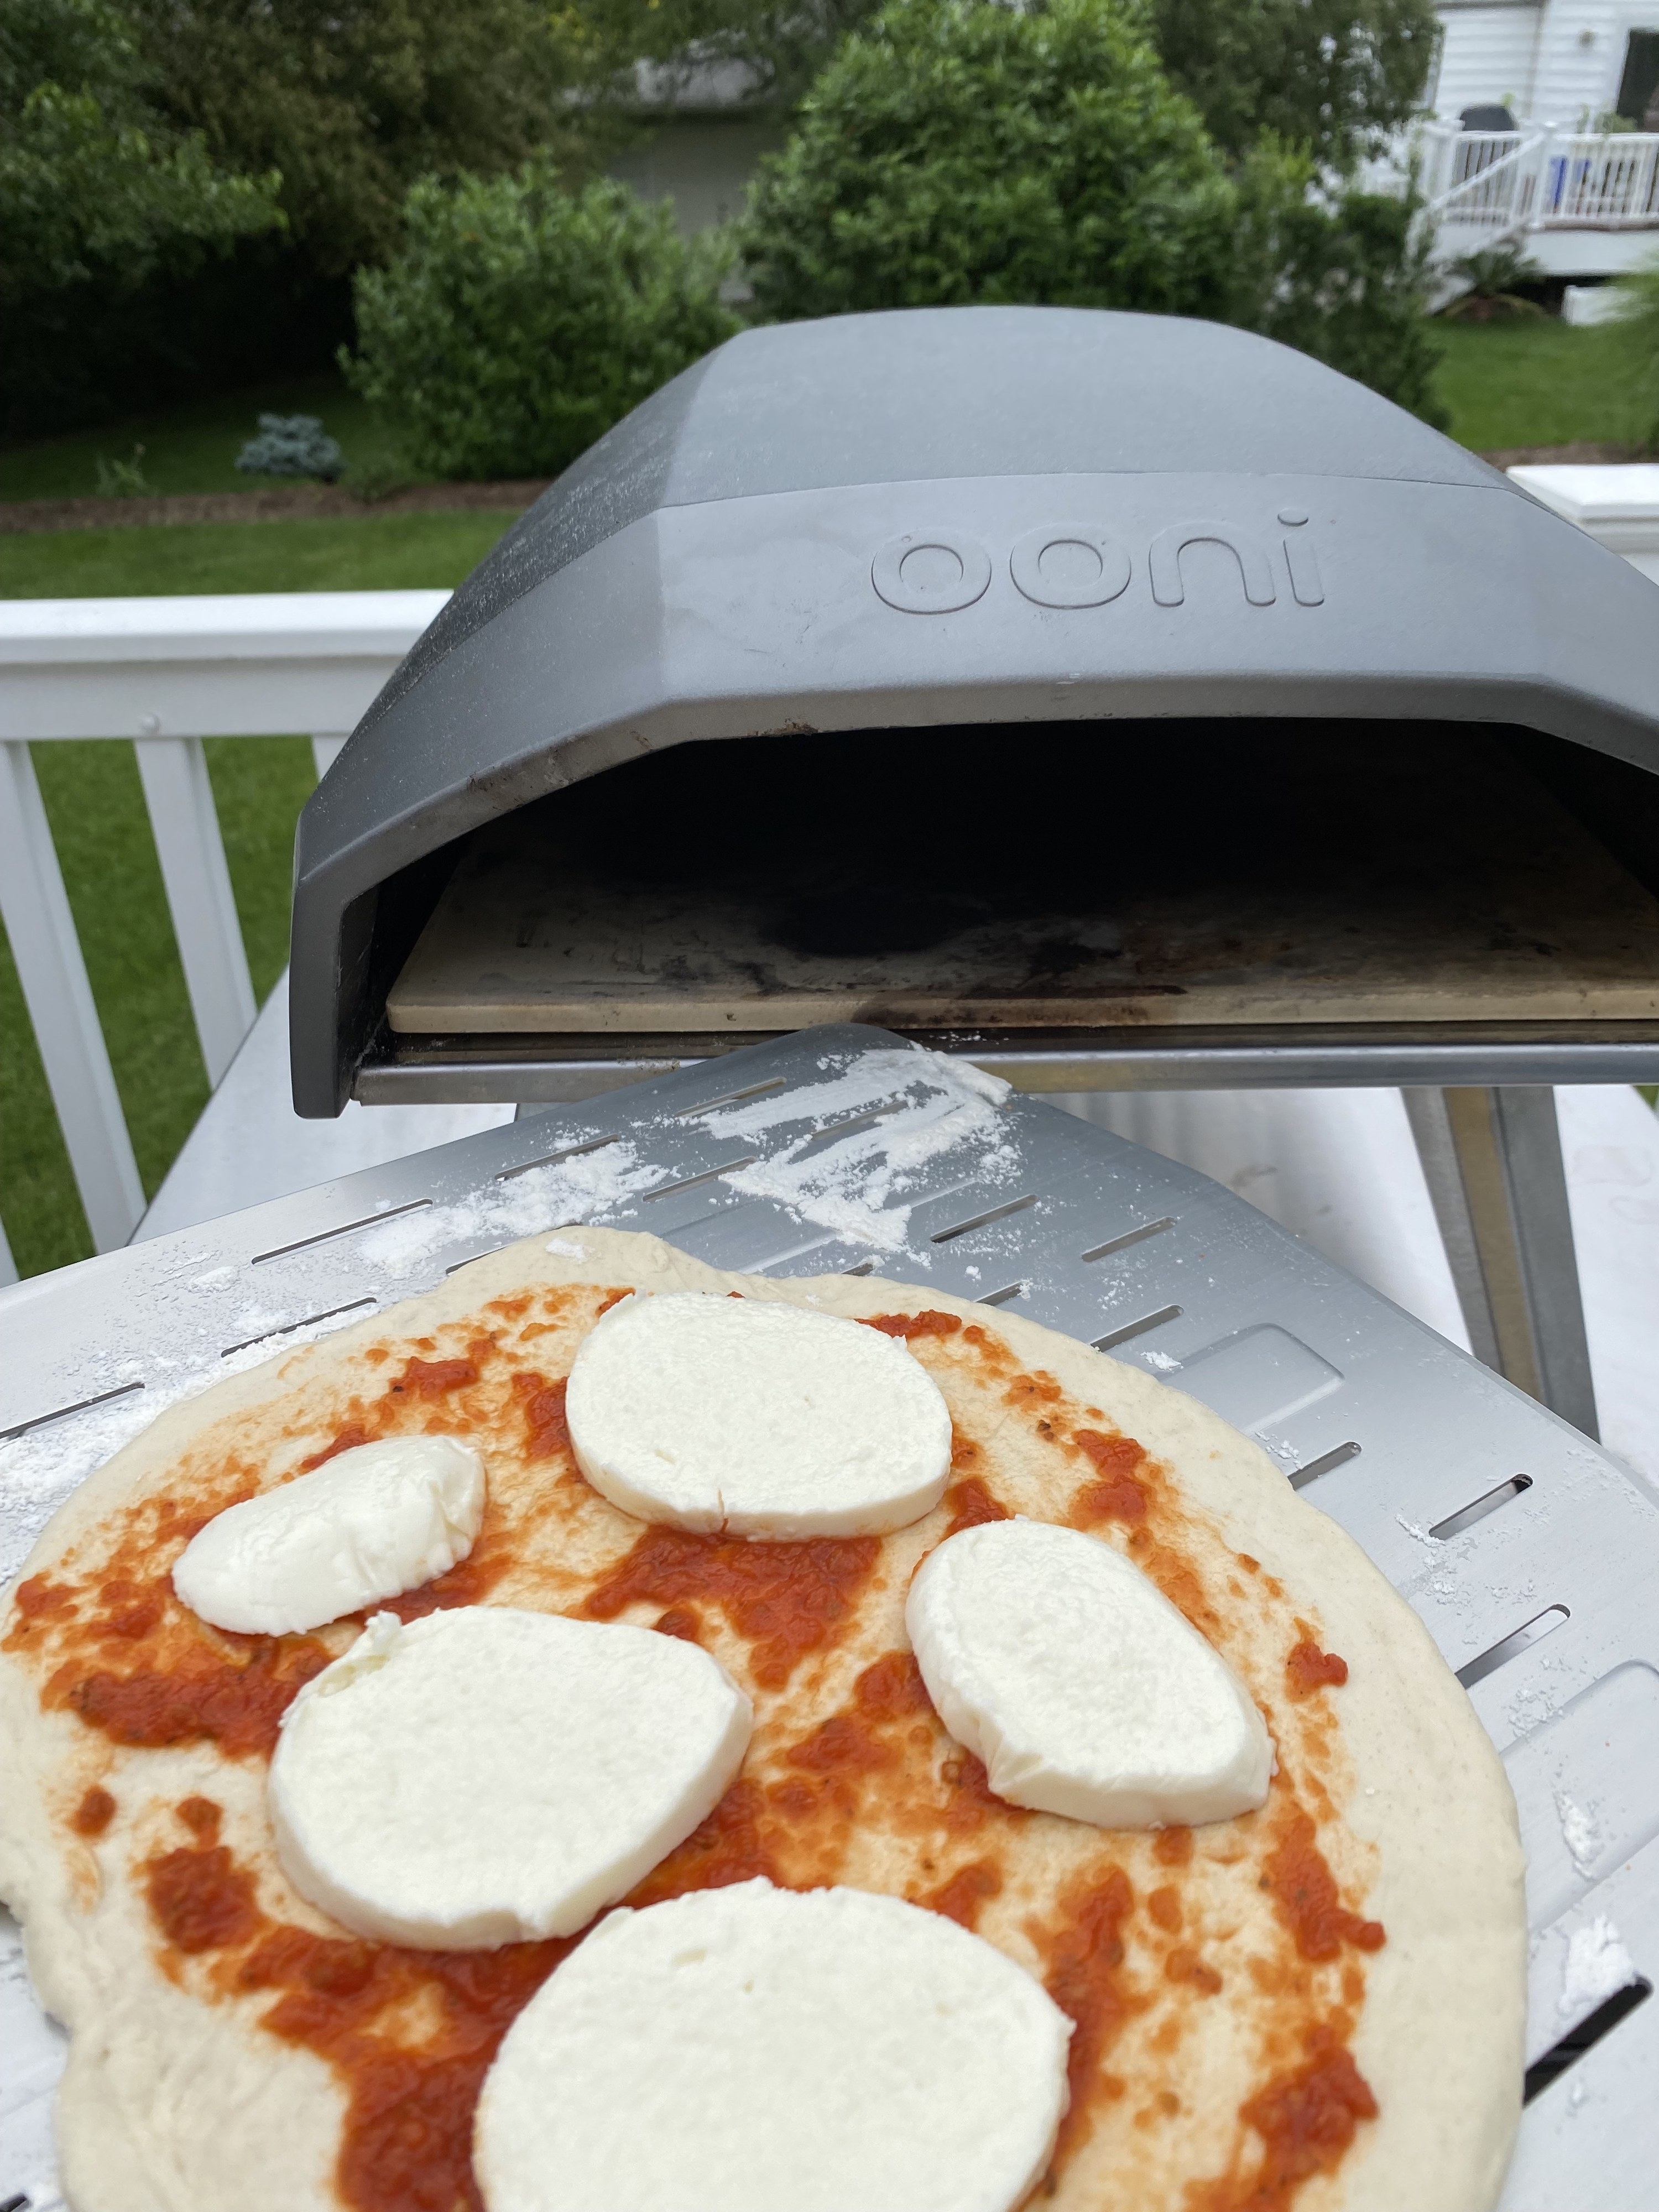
[(1582, 57), (1486, 57), (1556, 61)]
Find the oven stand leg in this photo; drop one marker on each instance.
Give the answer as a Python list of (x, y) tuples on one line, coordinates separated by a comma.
[(1492, 1160)]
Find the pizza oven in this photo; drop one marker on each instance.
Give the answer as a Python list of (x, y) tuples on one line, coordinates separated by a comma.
[(1120, 700)]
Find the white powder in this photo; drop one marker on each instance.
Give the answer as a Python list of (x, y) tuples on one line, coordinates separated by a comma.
[(1597, 1966), (854, 1186), (1580, 1830), (39, 1469), (564, 1191), (565, 1249), (1165, 1362)]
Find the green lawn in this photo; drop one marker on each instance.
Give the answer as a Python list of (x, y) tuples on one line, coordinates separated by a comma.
[(380, 552), (1536, 382), (193, 448), (102, 834)]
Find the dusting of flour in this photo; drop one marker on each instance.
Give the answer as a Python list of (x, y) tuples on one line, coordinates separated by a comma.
[(1597, 1967), (854, 1185)]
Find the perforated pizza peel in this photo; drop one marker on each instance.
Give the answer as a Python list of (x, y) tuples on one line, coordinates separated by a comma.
[(1531, 1555)]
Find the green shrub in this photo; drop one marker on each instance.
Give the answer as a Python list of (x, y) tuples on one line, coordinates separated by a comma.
[(959, 150), (522, 320), (1342, 274)]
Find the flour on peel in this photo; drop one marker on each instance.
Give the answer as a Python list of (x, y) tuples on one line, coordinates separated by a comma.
[(551, 1197), (854, 1186), (1580, 1830), (1597, 1967)]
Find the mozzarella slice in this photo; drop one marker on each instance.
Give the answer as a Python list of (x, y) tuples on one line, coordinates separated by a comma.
[(367, 1525), (752, 2049), (757, 1417), (485, 1776), (1080, 1686)]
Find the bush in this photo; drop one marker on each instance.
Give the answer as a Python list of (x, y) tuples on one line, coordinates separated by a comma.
[(1343, 274), (292, 446), (522, 320), (961, 151)]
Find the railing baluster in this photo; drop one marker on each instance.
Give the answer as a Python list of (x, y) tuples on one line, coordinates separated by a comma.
[(35, 908), (7, 1265), (191, 851), (325, 749)]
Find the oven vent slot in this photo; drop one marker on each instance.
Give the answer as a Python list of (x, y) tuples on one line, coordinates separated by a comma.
[(1136, 1327), (1519, 1640), (1588, 2032), (1456, 1523), (1129, 1236), (981, 1220), (1339, 1455)]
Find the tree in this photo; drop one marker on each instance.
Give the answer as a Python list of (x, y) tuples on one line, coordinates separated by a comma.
[(1336, 76), (100, 197), (521, 320), (354, 100), (957, 150), (93, 181)]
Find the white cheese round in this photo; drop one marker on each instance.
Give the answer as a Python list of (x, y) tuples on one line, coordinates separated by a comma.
[(754, 2050), (367, 1525), (486, 1775), (1082, 1690), (756, 1417)]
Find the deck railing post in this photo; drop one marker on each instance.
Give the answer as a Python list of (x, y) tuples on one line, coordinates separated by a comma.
[(192, 852), (35, 908)]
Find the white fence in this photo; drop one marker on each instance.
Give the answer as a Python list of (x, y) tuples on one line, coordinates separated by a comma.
[(1488, 187), (166, 673)]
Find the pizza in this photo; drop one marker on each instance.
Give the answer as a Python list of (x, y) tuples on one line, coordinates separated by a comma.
[(1314, 2002)]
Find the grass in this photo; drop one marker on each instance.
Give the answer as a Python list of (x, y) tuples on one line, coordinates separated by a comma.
[(1536, 382), (194, 448), (380, 552), (101, 832)]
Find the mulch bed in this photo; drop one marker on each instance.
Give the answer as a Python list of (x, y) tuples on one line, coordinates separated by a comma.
[(302, 503), (1586, 450), (330, 501)]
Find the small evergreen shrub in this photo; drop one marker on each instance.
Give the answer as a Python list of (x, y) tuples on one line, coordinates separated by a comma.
[(521, 320), (292, 446)]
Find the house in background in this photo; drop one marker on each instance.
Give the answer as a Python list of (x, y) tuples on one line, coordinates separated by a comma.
[(1574, 63), (1546, 133)]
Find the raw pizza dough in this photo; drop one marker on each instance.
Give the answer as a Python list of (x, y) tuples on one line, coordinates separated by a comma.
[(1200, 2012)]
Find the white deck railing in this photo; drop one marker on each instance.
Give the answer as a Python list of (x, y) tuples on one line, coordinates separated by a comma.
[(1487, 187), (166, 673)]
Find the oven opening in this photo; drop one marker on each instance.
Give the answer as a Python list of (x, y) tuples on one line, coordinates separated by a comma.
[(1041, 877)]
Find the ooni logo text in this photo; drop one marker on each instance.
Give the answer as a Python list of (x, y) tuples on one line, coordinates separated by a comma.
[(1066, 564)]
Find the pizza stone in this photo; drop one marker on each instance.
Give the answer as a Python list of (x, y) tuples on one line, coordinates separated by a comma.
[(1319, 2005)]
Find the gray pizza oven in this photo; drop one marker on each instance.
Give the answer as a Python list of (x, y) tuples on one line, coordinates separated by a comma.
[(1121, 700)]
